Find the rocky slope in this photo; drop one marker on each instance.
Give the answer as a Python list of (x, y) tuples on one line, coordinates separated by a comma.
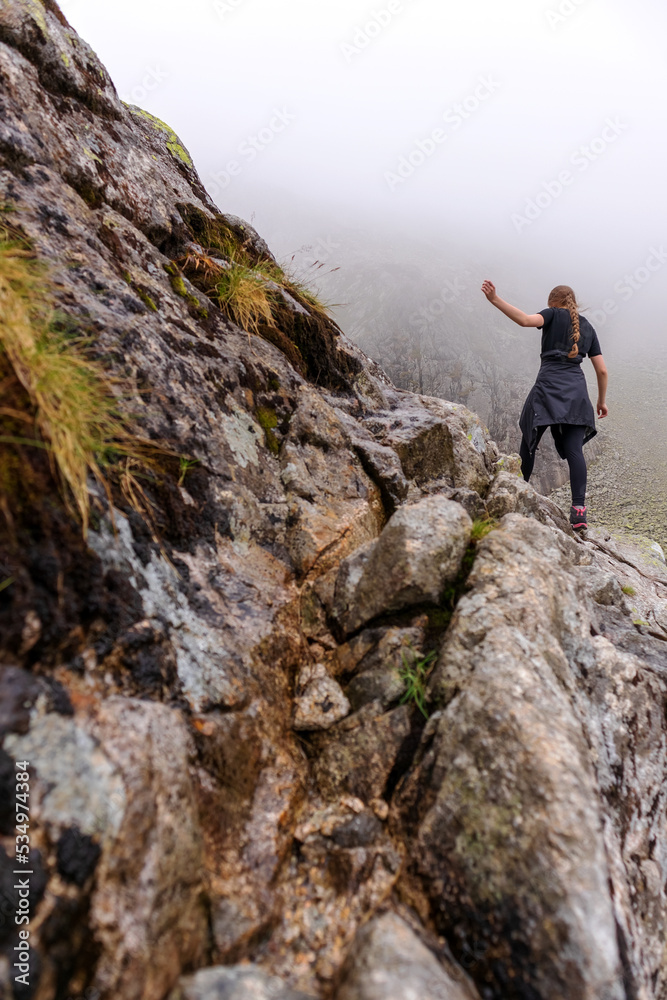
[(234, 791)]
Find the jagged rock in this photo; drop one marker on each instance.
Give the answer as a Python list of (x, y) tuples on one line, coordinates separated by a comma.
[(475, 454), (357, 755), (334, 505), (360, 863), (319, 702), (239, 982), (509, 463), (123, 779), (418, 553), (507, 776), (381, 463), (511, 494), (643, 554), (628, 586), (149, 669), (471, 502), (374, 659), (435, 439), (602, 588), (387, 961), (249, 788)]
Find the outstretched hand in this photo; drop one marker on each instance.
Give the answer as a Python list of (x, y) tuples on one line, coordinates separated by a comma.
[(602, 410), (489, 290)]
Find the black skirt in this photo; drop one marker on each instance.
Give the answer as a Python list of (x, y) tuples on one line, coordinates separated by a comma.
[(559, 396)]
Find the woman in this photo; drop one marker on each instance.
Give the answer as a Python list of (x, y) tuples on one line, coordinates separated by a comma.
[(559, 399)]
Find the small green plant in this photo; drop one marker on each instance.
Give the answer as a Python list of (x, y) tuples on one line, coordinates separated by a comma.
[(414, 673), (481, 528), (248, 290), (630, 591), (6, 583), (185, 464)]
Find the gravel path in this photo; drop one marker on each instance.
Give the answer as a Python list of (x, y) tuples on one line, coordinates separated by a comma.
[(627, 483)]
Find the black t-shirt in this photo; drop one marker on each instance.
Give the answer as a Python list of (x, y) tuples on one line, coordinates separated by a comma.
[(557, 331)]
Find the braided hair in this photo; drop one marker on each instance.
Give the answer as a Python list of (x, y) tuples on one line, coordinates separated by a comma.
[(563, 297)]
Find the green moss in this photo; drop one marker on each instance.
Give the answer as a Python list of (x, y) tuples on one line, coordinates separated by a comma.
[(180, 288), (273, 383), (213, 233), (146, 299), (267, 419), (487, 843), (174, 144), (65, 58), (481, 528), (141, 292), (36, 11), (439, 618), (90, 194), (91, 155), (630, 591)]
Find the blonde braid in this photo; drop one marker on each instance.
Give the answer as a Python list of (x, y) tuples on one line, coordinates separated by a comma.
[(571, 304), (562, 297)]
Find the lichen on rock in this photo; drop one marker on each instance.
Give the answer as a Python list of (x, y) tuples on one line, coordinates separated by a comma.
[(173, 143)]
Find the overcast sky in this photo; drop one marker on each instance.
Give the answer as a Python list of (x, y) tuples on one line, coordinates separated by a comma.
[(532, 131)]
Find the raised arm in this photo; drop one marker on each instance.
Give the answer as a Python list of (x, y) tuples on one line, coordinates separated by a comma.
[(602, 377), (520, 317)]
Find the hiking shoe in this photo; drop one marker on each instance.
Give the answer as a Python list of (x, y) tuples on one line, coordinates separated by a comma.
[(578, 518)]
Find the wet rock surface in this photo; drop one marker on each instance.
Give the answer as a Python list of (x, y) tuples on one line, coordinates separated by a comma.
[(303, 724)]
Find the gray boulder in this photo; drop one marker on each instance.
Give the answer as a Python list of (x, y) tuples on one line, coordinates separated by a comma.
[(418, 553), (387, 961), (510, 494), (319, 702), (235, 982)]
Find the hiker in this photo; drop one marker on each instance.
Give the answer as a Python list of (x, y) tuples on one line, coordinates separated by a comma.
[(559, 399)]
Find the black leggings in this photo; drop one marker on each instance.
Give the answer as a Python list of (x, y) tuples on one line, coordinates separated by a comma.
[(572, 436)]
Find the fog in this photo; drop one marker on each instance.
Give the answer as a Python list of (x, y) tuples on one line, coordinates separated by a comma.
[(525, 137)]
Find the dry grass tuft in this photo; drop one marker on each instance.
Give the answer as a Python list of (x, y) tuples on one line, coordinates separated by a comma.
[(75, 409), (75, 414)]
